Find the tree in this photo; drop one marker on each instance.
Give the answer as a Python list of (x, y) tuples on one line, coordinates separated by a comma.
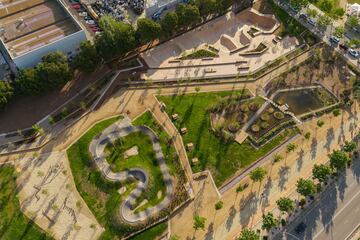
[(323, 21), (174, 237), (51, 73), (321, 172), (88, 58), (37, 129), (248, 234), (305, 187), (299, 3), (326, 6), (206, 7), (337, 13), (169, 23), (285, 204), (269, 221), (349, 146), (352, 22), (258, 174), (223, 5), (199, 222), (187, 15), (277, 158), (339, 160), (339, 32), (6, 93), (336, 112), (219, 205), (117, 38), (312, 13), (290, 147), (320, 123), (147, 30), (355, 43), (307, 135)]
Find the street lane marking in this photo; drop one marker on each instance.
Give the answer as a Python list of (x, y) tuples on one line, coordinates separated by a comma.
[(342, 209)]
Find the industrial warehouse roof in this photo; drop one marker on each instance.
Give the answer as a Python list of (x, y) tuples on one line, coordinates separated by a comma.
[(26, 25)]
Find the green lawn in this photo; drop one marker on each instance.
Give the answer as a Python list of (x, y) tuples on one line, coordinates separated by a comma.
[(100, 195), (221, 158), (151, 233), (354, 1), (13, 223)]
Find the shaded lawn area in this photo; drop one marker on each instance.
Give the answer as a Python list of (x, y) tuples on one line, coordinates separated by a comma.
[(13, 223), (151, 233), (100, 195), (223, 159)]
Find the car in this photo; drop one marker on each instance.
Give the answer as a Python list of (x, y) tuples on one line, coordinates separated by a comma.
[(353, 53), (76, 7), (343, 47), (334, 39), (90, 22), (312, 22), (300, 228), (87, 18), (83, 14), (303, 15)]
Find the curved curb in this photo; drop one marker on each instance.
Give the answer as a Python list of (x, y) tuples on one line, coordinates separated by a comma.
[(97, 147)]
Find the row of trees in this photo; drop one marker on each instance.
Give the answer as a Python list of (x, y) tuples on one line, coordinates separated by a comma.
[(118, 38), (52, 72)]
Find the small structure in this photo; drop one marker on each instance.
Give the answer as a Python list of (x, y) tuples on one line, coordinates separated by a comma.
[(174, 117), (162, 106), (195, 161), (190, 146), (183, 130)]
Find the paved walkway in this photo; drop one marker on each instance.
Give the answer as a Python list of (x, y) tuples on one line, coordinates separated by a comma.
[(97, 148)]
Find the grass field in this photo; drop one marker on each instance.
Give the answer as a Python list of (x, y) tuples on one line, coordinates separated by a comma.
[(100, 195), (223, 159), (13, 223)]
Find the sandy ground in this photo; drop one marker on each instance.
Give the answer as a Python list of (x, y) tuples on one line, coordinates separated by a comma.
[(245, 209), (47, 193)]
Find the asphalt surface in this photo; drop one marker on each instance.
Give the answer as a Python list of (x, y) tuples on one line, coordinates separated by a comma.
[(323, 34), (336, 214)]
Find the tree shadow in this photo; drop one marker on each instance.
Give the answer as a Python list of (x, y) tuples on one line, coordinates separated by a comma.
[(300, 159), (230, 219), (210, 232), (250, 201), (265, 194), (283, 173), (329, 138), (313, 149)]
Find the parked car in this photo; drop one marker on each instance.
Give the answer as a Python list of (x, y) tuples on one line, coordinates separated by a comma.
[(300, 228), (294, 8), (334, 39), (312, 22), (353, 53), (303, 16), (83, 14), (90, 22), (343, 47), (77, 7), (87, 18)]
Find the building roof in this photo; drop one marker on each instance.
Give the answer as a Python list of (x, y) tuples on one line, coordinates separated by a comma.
[(26, 25)]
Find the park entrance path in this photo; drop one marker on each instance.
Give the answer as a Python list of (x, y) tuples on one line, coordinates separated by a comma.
[(97, 149)]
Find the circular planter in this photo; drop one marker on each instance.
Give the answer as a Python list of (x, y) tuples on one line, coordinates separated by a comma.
[(255, 128), (264, 125), (265, 117), (244, 108), (279, 115), (270, 110)]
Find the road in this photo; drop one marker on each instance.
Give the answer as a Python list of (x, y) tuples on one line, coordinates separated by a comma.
[(324, 35), (336, 214)]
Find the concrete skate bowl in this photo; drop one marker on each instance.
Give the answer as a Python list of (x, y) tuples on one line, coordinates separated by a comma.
[(228, 43), (127, 207), (267, 23)]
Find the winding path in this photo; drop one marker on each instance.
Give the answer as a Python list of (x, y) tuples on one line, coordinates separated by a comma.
[(97, 147)]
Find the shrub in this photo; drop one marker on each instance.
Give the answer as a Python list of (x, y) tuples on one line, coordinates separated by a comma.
[(336, 112), (253, 107), (279, 115), (234, 127), (264, 125), (255, 128), (302, 202), (265, 117), (244, 108), (270, 110)]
